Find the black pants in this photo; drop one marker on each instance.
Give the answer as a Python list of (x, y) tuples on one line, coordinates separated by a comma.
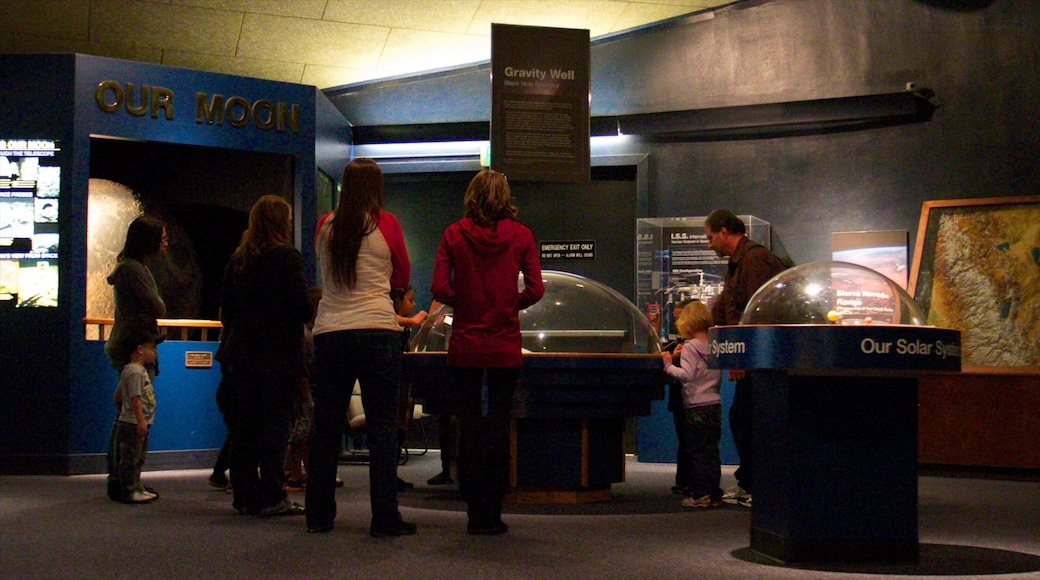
[(228, 407), (675, 407), (483, 460), (740, 426), (265, 402), (446, 440), (700, 462), (373, 359)]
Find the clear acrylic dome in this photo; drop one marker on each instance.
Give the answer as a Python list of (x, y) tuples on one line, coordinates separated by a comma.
[(832, 293), (576, 314)]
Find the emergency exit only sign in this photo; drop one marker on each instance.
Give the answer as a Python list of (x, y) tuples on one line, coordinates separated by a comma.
[(568, 250)]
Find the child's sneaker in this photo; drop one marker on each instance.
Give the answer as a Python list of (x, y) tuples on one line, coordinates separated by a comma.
[(736, 495), (704, 501), (141, 497)]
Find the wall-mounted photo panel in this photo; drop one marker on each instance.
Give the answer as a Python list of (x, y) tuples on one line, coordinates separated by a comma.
[(885, 251), (29, 184)]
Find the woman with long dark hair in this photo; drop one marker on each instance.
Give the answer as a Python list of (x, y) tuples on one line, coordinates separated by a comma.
[(362, 255), (479, 260), (137, 300), (263, 307)]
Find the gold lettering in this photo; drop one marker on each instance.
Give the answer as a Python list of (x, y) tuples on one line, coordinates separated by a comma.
[(293, 116), (162, 99), (110, 96), (210, 113), (142, 108), (237, 112), (260, 119), (99, 96)]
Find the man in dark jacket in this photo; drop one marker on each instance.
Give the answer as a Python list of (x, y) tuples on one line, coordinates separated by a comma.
[(750, 266)]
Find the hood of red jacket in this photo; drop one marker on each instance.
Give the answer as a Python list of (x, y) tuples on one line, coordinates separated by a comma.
[(488, 242)]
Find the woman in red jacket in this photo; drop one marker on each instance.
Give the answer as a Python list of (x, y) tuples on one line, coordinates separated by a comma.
[(478, 262)]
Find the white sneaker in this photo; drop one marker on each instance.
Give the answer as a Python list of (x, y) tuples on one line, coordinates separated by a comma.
[(142, 497), (736, 495)]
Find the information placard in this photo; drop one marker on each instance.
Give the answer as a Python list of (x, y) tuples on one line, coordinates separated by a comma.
[(198, 359), (540, 103), (567, 250)]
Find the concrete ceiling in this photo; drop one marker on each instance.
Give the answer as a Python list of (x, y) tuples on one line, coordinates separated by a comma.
[(325, 43)]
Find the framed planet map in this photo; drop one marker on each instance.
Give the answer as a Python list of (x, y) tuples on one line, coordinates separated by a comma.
[(977, 269)]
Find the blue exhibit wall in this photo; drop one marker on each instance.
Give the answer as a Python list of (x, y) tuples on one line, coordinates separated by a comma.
[(188, 426), (57, 386), (980, 58)]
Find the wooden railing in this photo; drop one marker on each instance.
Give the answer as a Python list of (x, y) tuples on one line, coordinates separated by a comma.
[(175, 328)]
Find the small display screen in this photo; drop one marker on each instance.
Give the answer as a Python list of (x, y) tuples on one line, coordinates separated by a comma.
[(30, 183)]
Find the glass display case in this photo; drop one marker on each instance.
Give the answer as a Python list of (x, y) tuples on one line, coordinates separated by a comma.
[(674, 263), (576, 315), (832, 293)]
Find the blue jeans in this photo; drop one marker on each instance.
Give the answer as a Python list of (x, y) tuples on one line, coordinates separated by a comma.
[(373, 358)]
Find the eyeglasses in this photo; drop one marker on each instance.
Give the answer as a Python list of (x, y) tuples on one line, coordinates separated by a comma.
[(165, 239)]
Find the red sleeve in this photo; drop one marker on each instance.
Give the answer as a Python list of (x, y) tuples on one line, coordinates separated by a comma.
[(391, 230), (440, 286), (534, 288), (321, 222)]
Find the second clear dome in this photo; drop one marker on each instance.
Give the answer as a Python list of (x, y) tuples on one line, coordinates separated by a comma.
[(832, 293)]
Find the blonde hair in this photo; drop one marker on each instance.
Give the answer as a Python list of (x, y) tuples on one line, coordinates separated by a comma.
[(694, 318)]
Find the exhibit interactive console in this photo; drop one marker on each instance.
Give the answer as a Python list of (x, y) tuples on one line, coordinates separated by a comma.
[(591, 359), (832, 351)]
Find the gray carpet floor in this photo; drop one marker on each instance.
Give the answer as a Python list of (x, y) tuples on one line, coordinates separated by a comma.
[(65, 527)]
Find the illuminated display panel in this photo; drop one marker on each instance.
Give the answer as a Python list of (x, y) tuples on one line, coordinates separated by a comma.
[(30, 182)]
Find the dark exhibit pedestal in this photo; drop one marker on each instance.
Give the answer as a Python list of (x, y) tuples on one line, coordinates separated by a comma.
[(568, 434), (835, 467), (566, 460), (834, 423)]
